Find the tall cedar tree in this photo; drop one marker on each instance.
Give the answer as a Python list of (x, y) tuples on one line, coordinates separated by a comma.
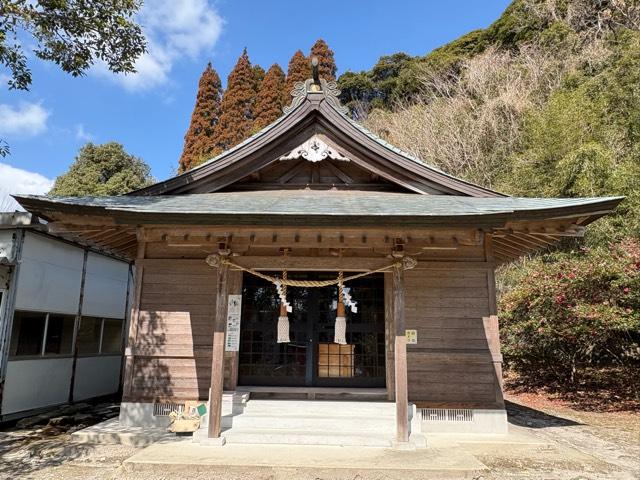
[(270, 99), (237, 107), (326, 63), (199, 141), (298, 71), (258, 73)]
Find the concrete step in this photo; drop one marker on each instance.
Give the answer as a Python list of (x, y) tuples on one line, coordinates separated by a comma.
[(305, 437), (319, 407), (322, 423)]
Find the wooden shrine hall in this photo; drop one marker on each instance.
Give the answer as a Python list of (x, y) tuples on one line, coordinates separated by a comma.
[(316, 262)]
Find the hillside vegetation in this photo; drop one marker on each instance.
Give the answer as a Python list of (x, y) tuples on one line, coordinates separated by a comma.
[(544, 102)]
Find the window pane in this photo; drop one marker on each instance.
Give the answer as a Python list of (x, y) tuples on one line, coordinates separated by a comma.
[(112, 336), (59, 334), (89, 335), (27, 332)]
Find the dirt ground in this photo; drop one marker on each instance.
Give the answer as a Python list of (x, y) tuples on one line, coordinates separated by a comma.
[(575, 445)]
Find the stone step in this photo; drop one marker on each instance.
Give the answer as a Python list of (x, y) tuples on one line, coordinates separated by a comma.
[(319, 407), (113, 433), (322, 423), (305, 437)]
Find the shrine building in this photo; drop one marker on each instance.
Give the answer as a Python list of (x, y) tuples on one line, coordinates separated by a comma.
[(315, 282)]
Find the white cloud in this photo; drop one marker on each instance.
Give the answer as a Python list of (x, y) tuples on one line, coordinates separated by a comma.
[(82, 135), (27, 119), (16, 180), (174, 29)]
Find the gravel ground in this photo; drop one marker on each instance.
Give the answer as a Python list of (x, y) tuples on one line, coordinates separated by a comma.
[(577, 446)]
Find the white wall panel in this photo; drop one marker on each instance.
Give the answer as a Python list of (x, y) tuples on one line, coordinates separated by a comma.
[(50, 275), (96, 376), (6, 244), (105, 290), (36, 383)]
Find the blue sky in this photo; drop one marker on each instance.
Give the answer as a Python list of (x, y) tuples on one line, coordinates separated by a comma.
[(149, 112)]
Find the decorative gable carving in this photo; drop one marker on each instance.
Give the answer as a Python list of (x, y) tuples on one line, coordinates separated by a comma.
[(314, 150), (329, 89)]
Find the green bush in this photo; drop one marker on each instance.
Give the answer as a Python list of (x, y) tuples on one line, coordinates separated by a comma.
[(569, 313)]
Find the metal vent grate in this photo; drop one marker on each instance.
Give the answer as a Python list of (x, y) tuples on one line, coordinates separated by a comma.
[(447, 415), (164, 409)]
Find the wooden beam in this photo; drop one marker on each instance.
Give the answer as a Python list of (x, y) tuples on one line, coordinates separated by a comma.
[(159, 233), (293, 172), (400, 356), (217, 360), (515, 252), (278, 262), (330, 264), (515, 245), (499, 252), (534, 242), (125, 240), (339, 173)]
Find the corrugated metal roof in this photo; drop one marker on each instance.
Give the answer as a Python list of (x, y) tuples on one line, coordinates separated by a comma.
[(321, 203)]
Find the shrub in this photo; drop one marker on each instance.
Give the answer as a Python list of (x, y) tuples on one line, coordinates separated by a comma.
[(569, 313)]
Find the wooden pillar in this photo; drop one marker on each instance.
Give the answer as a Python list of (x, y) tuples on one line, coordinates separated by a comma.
[(390, 335), (491, 324), (232, 358), (134, 320), (217, 358), (400, 354)]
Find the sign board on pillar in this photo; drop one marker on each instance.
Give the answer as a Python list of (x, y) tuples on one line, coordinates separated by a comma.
[(234, 309), (412, 337)]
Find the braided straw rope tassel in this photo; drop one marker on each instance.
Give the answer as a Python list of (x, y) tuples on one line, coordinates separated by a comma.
[(283, 319), (340, 334)]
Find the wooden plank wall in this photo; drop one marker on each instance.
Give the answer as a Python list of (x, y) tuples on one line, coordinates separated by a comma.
[(173, 350), (452, 364)]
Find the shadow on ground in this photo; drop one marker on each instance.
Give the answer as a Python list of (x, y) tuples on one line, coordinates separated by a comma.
[(528, 417), (43, 440)]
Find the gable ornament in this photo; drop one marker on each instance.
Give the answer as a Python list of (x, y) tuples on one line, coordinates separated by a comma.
[(330, 91), (314, 150)]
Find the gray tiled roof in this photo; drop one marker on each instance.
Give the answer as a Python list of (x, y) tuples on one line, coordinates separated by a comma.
[(319, 203)]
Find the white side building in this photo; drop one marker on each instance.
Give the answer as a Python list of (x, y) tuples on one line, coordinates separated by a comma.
[(63, 310)]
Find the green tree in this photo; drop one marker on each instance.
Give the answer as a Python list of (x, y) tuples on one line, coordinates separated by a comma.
[(270, 100), (71, 33), (105, 169), (236, 118), (199, 141), (299, 70), (326, 63)]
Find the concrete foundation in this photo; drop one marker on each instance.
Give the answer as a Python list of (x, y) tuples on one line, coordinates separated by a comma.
[(474, 421), (134, 414)]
